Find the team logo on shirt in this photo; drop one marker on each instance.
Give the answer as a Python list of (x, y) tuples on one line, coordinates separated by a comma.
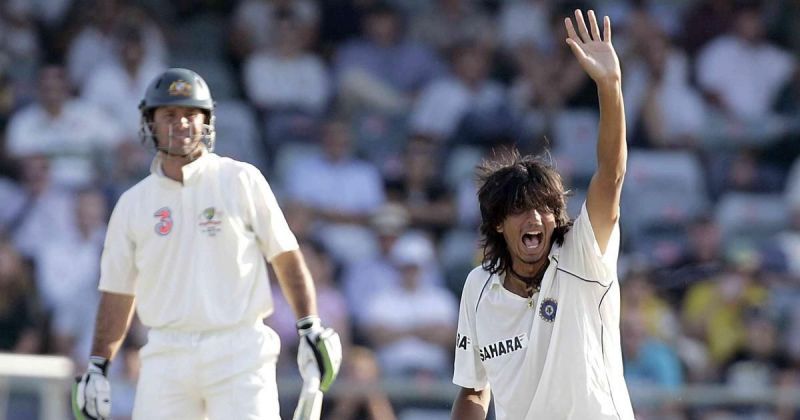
[(164, 225), (503, 347), (180, 88), (209, 221), (548, 309)]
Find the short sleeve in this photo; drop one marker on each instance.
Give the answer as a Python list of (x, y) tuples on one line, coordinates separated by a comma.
[(580, 254), (117, 264), (468, 371), (267, 220)]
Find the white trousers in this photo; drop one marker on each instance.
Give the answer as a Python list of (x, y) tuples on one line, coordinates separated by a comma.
[(218, 375)]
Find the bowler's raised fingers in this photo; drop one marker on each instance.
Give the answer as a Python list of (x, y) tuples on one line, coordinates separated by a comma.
[(582, 29), (607, 29), (593, 26)]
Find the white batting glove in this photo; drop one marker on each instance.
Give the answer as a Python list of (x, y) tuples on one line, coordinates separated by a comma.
[(319, 355), (91, 393)]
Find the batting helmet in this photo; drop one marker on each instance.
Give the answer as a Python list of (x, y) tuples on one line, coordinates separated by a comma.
[(177, 87)]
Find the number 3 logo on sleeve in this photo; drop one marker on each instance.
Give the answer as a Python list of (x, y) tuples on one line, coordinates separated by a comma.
[(164, 225)]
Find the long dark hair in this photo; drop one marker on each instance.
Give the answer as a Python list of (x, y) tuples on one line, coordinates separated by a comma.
[(510, 183)]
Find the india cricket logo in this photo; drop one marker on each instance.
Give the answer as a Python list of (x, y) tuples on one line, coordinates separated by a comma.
[(164, 225), (548, 309)]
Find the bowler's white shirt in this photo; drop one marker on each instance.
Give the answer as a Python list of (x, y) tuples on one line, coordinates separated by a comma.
[(558, 358), (194, 254)]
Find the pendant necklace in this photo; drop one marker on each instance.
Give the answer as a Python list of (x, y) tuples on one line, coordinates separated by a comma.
[(532, 283)]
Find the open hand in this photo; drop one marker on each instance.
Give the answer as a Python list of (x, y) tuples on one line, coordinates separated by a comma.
[(595, 53)]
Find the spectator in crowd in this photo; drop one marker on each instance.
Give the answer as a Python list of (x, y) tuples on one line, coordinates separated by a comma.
[(448, 23), (662, 106), (20, 322), (383, 70), (649, 363), (67, 269), (366, 278), (468, 98), (412, 324), (704, 20), (116, 85), (20, 45), (254, 25), (759, 364), (76, 135), (40, 211), (287, 82), (741, 72), (418, 187), (367, 400), (713, 310), (342, 190), (524, 23), (95, 44)]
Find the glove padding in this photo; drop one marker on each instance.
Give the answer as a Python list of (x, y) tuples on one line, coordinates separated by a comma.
[(319, 354), (91, 393)]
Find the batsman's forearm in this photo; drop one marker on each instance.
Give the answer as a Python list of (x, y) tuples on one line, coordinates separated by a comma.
[(612, 149), (296, 282), (113, 319)]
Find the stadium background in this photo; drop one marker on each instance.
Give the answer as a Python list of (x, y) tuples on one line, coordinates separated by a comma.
[(367, 118)]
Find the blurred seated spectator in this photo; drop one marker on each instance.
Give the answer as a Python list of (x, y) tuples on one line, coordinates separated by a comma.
[(40, 211), (759, 364), (789, 239), (331, 305), (417, 185), (74, 133), (117, 85), (524, 22), (655, 313), (713, 310), (288, 83), (411, 325), (341, 190), (20, 320), (703, 20), (661, 105), (67, 272), (741, 72), (253, 24), (650, 364), (365, 399), (94, 42), (467, 106), (382, 70), (20, 45), (447, 23), (287, 76)]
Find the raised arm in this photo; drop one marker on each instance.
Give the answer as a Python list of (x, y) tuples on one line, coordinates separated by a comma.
[(598, 58)]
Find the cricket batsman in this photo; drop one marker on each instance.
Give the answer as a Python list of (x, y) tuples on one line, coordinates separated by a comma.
[(187, 247)]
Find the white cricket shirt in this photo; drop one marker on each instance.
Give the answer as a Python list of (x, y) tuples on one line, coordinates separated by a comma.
[(194, 254), (558, 355)]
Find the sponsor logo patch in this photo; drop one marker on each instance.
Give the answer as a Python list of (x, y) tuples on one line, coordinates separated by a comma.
[(164, 225)]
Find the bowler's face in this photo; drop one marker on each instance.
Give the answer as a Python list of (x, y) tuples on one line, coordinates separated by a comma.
[(528, 235)]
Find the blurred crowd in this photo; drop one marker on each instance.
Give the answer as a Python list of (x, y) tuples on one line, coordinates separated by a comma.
[(368, 117)]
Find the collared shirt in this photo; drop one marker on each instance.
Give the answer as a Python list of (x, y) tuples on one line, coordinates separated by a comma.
[(558, 354), (194, 253)]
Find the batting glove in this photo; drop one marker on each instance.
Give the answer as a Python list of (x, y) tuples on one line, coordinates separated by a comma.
[(91, 393), (319, 355)]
